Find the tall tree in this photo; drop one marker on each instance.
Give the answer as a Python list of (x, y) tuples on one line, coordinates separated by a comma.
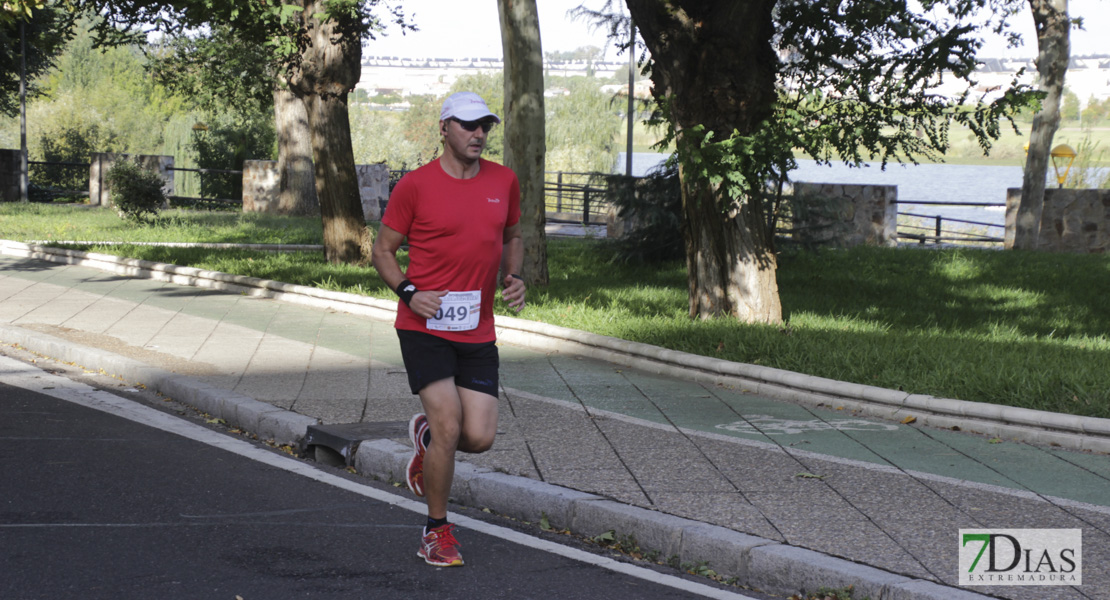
[(741, 83), (1050, 18), (318, 44), (713, 70), (325, 68), (524, 126)]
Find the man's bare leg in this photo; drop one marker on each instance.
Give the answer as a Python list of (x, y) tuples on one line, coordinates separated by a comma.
[(460, 419)]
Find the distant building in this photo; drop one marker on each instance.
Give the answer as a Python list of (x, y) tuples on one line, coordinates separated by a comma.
[(435, 76), (1086, 77)]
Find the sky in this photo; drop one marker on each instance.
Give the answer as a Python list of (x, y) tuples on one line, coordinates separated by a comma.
[(470, 29)]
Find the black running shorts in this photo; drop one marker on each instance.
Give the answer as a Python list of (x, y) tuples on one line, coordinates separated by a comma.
[(430, 358)]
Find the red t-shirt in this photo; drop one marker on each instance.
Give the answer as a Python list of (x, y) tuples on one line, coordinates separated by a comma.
[(455, 230)]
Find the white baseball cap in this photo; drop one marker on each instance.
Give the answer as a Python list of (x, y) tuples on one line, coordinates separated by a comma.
[(466, 106)]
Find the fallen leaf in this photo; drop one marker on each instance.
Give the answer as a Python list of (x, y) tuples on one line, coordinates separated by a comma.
[(994, 441), (909, 419), (606, 537)]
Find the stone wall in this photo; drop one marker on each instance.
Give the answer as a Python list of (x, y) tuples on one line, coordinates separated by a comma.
[(1072, 221), (9, 175), (845, 215), (260, 187), (101, 163)]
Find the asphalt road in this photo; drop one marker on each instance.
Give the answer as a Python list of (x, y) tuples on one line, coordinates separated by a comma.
[(95, 505)]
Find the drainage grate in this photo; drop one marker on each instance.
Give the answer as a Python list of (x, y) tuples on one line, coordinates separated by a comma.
[(336, 444)]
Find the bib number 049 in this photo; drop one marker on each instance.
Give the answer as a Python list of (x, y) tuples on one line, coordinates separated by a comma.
[(458, 311)]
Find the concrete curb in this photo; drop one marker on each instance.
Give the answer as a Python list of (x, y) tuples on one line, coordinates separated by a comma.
[(265, 420), (1020, 424), (760, 563), (250, 286), (764, 564)]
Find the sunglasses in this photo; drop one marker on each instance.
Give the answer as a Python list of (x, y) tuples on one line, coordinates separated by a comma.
[(474, 125)]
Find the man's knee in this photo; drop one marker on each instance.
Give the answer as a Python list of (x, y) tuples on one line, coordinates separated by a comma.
[(477, 444), (446, 431)]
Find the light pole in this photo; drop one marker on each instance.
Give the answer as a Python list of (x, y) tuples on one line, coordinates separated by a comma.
[(22, 111), (631, 100)]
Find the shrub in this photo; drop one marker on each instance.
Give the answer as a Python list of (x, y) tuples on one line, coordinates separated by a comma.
[(69, 144), (230, 139), (136, 192)]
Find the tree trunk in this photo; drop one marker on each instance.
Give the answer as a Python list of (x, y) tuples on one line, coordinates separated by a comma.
[(525, 145), (730, 259), (714, 68), (346, 237), (1053, 54), (297, 182), (327, 68)]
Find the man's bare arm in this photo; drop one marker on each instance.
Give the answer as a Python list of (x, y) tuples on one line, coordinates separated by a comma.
[(384, 258)]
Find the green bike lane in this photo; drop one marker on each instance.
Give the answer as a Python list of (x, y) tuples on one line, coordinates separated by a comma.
[(828, 431)]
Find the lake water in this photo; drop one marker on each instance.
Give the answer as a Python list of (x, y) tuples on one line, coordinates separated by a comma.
[(926, 182)]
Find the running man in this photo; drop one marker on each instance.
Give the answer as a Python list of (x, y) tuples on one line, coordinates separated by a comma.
[(461, 215)]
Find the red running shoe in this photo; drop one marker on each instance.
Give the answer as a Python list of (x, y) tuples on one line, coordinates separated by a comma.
[(414, 474), (439, 548)]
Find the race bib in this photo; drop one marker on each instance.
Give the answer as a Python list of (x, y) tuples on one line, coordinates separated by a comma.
[(458, 311)]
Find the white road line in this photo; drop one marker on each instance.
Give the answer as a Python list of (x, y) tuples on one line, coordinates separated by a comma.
[(19, 374)]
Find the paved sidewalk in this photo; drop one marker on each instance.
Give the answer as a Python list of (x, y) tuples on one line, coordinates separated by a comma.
[(868, 492)]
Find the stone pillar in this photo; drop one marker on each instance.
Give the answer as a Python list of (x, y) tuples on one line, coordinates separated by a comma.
[(101, 163), (373, 189), (9, 175), (846, 215), (1072, 220), (260, 186)]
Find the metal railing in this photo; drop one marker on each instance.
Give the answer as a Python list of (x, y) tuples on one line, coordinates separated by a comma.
[(566, 201), (48, 193), (926, 229), (571, 198), (210, 200)]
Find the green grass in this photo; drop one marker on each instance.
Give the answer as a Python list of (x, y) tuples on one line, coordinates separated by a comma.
[(70, 222), (1016, 328)]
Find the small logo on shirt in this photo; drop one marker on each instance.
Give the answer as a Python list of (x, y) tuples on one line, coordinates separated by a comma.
[(494, 200)]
